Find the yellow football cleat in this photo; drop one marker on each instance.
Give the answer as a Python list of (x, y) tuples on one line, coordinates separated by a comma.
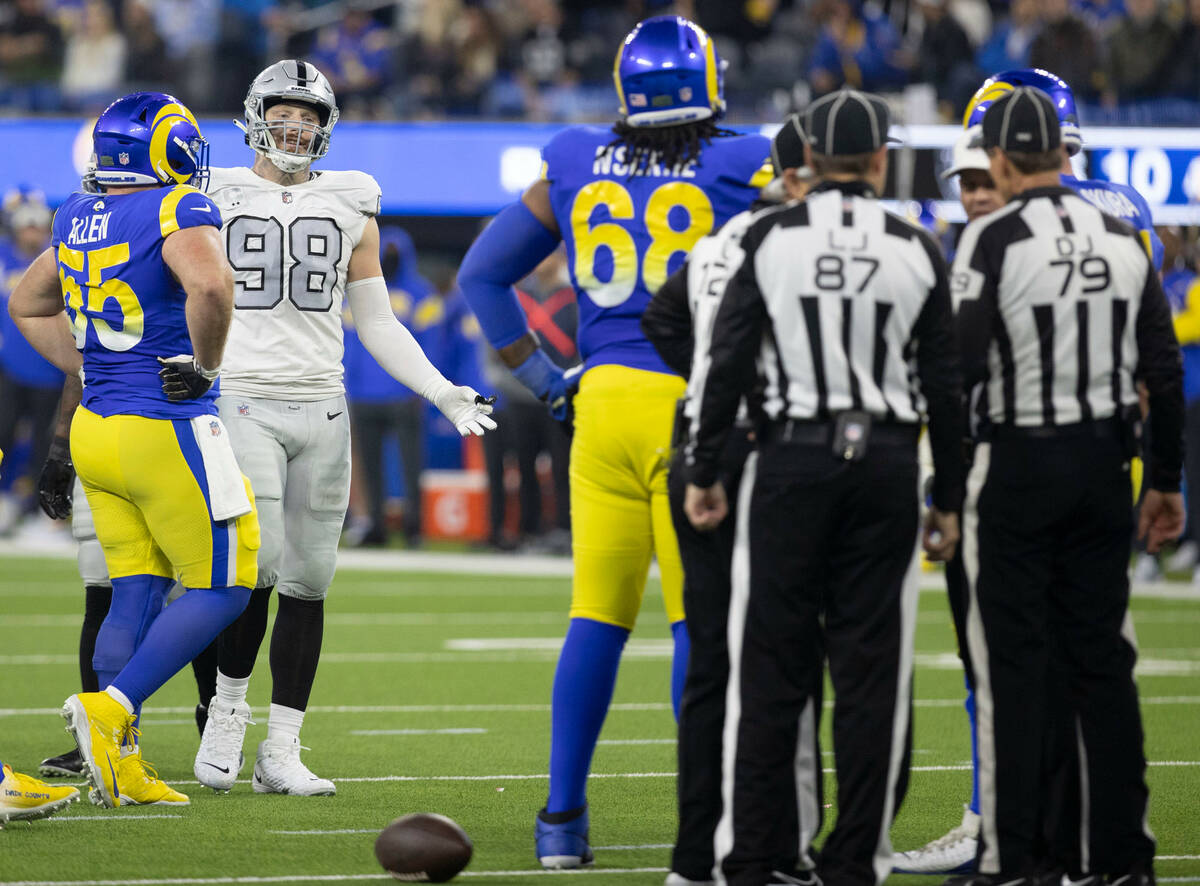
[(23, 797), (99, 723), (140, 785)]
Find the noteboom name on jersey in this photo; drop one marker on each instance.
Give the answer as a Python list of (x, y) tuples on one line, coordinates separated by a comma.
[(1112, 202), (610, 160)]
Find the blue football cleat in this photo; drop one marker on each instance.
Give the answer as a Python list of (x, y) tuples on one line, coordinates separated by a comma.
[(563, 844)]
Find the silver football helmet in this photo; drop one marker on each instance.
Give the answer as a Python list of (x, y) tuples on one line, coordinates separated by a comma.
[(290, 80)]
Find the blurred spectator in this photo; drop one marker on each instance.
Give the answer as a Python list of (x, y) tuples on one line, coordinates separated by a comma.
[(452, 62), (145, 50), (1183, 293), (945, 58), (380, 406), (1101, 15), (29, 386), (526, 428), (1069, 48), (857, 48), (246, 31), (31, 48), (191, 29), (94, 69), (356, 57), (1139, 51), (1009, 45), (1184, 71)]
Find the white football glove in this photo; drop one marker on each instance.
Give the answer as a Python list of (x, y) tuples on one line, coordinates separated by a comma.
[(466, 408)]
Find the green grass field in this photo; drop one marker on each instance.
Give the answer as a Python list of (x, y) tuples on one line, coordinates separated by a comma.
[(433, 695)]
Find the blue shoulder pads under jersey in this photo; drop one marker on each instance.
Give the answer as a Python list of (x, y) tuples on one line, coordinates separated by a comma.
[(506, 251)]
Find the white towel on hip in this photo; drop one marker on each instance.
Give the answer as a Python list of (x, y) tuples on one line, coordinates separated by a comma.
[(226, 488)]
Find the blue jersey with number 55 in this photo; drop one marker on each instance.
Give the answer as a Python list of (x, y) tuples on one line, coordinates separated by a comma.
[(125, 306), (625, 233)]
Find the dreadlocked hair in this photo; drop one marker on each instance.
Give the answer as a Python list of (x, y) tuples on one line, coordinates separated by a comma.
[(670, 146)]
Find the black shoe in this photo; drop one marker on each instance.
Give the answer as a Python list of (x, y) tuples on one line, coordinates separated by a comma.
[(201, 718), (67, 765)]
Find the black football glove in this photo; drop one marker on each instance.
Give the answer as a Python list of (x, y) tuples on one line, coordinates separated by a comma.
[(185, 379), (57, 480)]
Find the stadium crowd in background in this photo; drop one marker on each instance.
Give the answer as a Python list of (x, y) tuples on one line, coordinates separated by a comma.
[(1131, 61)]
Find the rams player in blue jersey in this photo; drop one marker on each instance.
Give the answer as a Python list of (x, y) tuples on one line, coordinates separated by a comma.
[(148, 298), (1112, 198), (954, 852), (629, 202)]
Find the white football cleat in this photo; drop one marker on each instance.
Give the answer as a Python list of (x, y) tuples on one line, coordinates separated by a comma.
[(953, 853), (220, 757), (278, 770)]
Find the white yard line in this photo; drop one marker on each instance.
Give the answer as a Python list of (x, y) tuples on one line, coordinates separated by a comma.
[(318, 878), (632, 741), (468, 651), (469, 730), (324, 833), (117, 816), (509, 565), (533, 708)]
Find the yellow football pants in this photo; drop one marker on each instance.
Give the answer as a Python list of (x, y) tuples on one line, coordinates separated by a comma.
[(143, 480), (619, 510)]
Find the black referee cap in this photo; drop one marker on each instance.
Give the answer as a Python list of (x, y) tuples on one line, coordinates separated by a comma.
[(847, 122), (1023, 120), (787, 148)]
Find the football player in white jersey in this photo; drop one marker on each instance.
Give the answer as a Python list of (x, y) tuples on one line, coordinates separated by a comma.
[(299, 240)]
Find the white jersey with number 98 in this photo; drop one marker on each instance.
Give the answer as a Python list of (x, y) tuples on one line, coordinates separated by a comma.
[(289, 246)]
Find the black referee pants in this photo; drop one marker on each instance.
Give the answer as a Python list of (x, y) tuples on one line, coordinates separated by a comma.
[(706, 560), (1046, 545), (824, 562)]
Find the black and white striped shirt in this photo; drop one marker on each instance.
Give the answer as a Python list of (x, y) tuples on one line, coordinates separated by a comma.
[(1059, 311), (843, 306)]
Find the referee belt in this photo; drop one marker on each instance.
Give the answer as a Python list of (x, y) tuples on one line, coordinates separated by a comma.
[(1100, 429), (820, 433)]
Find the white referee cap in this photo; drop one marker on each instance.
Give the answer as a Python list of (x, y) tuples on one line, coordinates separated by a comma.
[(967, 155)]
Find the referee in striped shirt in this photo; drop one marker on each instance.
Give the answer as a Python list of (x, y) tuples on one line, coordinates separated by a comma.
[(1059, 314), (846, 308)]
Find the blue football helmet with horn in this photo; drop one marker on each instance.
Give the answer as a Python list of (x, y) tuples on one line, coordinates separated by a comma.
[(147, 138), (668, 72)]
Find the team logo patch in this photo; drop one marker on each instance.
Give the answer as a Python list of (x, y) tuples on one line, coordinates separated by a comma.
[(123, 158), (243, 409), (637, 99), (215, 427), (286, 196), (685, 94), (98, 205)]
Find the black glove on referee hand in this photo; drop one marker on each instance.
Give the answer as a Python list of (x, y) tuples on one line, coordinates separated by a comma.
[(57, 480), (185, 379)]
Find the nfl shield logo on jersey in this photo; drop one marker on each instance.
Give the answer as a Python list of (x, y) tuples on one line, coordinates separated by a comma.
[(286, 196), (123, 158), (215, 427), (243, 409)]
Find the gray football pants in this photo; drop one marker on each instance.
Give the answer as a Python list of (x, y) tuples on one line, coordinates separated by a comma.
[(297, 456)]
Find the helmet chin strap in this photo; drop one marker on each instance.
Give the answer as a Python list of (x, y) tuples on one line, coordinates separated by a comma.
[(285, 162)]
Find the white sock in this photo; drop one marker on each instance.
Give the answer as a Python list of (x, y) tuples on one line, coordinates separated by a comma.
[(231, 691), (121, 699), (284, 724)]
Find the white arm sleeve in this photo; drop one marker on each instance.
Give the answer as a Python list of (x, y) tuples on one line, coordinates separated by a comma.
[(388, 341)]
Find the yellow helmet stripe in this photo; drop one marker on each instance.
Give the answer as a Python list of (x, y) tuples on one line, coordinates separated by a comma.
[(986, 93), (710, 71), (169, 208), (617, 80), (174, 109)]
